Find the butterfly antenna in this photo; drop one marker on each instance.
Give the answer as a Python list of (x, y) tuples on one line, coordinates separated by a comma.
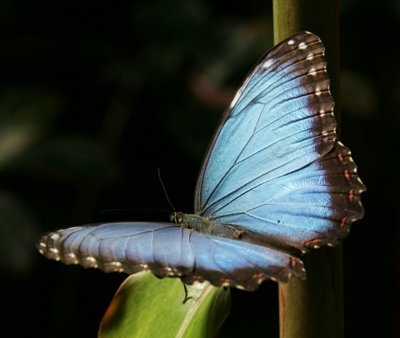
[(165, 190)]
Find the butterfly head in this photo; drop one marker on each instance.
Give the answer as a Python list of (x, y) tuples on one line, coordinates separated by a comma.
[(177, 217)]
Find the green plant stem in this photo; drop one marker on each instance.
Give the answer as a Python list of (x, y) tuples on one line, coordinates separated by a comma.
[(313, 308)]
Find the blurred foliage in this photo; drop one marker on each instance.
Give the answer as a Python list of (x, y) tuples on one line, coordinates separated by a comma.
[(25, 114), (17, 232), (95, 97)]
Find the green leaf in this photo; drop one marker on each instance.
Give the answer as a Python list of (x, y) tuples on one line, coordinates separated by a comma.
[(145, 306)]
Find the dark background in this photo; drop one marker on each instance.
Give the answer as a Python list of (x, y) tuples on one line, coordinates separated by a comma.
[(94, 98)]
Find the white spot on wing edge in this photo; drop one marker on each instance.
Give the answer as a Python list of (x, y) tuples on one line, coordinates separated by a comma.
[(302, 45), (54, 251), (71, 258), (267, 64), (54, 236), (117, 266), (290, 42), (91, 262)]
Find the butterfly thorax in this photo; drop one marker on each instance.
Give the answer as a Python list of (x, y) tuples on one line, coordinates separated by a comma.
[(205, 225)]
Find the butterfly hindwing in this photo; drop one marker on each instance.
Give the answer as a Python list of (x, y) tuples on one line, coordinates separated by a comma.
[(166, 249)]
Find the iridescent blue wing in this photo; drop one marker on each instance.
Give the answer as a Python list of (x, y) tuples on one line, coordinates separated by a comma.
[(275, 168), (169, 250)]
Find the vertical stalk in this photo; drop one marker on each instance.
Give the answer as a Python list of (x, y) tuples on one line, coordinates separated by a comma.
[(313, 308)]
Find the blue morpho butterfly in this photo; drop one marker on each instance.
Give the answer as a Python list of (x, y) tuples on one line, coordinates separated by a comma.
[(275, 182)]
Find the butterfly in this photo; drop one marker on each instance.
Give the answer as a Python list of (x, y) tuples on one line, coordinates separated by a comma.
[(275, 183)]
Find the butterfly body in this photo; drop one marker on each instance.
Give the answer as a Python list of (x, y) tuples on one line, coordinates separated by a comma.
[(275, 182), (205, 225)]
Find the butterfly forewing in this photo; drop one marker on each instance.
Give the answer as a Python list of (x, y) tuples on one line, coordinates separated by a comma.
[(266, 171), (275, 108)]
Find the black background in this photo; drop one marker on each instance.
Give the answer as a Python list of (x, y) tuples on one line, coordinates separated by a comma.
[(96, 97)]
